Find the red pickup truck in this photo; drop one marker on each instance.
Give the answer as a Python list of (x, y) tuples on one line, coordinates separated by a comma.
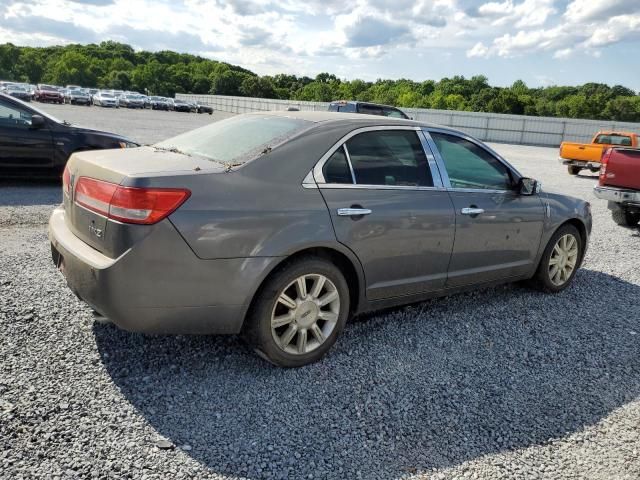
[(620, 184)]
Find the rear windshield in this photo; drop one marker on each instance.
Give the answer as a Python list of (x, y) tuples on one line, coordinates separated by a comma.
[(236, 140), (623, 140)]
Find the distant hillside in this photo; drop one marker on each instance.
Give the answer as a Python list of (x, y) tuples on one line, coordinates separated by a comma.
[(116, 65)]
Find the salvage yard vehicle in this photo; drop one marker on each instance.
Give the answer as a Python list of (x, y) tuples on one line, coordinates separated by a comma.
[(34, 143), (105, 99), (131, 101), (355, 213), (619, 184), (77, 97), (158, 103), (578, 156), (48, 93), (182, 106), (18, 91), (200, 108), (366, 108)]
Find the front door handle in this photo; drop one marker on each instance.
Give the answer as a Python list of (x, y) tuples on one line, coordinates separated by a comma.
[(472, 211), (353, 212)]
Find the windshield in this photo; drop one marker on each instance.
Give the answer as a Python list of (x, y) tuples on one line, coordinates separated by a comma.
[(106, 95), (236, 140)]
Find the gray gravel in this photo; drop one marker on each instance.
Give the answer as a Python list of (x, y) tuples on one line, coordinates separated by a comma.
[(499, 383)]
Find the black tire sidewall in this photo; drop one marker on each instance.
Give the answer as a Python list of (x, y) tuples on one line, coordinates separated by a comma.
[(259, 321)]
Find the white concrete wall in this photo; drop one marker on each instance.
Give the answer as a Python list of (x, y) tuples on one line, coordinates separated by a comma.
[(490, 127)]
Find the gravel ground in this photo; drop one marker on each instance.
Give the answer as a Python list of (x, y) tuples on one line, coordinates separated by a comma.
[(499, 383)]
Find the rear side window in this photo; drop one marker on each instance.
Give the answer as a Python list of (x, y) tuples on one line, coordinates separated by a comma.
[(470, 166), (337, 170), (389, 157), (237, 140)]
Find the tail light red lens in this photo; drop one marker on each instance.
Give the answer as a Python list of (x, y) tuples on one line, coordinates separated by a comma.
[(604, 161), (144, 206)]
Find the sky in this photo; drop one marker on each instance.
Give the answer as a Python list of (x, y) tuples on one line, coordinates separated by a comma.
[(543, 42)]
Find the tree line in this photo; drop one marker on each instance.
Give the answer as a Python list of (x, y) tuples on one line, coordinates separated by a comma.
[(115, 65)]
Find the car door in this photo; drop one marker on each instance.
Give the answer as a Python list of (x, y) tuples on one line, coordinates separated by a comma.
[(21, 144), (388, 205), (498, 230)]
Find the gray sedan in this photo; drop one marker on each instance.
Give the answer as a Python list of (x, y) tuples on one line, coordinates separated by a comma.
[(281, 226)]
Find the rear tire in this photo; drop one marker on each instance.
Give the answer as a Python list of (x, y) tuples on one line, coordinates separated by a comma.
[(560, 260), (299, 313), (573, 170), (624, 217)]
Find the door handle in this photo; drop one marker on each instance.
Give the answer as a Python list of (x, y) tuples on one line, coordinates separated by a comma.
[(472, 211), (353, 212)]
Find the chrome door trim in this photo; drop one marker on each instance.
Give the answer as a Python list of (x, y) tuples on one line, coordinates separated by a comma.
[(350, 186), (444, 176), (346, 152)]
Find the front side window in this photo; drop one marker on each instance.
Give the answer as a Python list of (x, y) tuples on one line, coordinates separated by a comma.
[(389, 157), (470, 166), (11, 116)]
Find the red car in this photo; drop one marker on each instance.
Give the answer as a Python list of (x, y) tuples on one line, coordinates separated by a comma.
[(620, 184), (46, 93)]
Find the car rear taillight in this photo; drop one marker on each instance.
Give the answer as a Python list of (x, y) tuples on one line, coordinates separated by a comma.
[(66, 181), (144, 206), (605, 161)]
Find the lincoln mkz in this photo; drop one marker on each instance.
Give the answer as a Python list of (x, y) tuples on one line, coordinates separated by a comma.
[(281, 226)]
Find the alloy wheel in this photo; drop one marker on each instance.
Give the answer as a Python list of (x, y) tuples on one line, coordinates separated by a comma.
[(563, 260), (305, 314)]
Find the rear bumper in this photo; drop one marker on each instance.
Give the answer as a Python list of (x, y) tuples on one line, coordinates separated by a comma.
[(618, 195), (580, 163), (159, 285)]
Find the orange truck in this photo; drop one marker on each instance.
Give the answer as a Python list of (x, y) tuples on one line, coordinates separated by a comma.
[(578, 156)]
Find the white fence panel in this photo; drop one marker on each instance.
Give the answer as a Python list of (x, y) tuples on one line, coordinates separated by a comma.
[(492, 127)]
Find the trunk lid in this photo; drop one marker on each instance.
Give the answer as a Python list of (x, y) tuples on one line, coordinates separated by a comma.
[(128, 167), (623, 169)]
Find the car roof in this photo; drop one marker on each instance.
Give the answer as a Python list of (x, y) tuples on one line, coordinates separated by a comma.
[(347, 118), (610, 132)]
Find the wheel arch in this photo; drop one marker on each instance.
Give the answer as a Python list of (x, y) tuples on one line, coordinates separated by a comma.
[(346, 262)]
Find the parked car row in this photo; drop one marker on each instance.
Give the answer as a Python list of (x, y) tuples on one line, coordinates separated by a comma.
[(76, 95)]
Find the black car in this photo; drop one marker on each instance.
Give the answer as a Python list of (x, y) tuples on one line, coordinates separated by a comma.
[(158, 103), (34, 143), (181, 106), (204, 109), (367, 108)]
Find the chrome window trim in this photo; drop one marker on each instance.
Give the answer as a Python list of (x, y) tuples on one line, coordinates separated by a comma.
[(319, 176), (337, 186), (346, 152), (445, 175)]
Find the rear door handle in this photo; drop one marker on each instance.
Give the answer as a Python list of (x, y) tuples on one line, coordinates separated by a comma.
[(472, 211), (353, 212)]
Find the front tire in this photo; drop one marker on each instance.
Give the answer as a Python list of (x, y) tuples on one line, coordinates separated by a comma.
[(299, 313), (573, 170), (560, 260)]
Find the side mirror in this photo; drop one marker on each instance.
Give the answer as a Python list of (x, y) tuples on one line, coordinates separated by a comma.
[(37, 121), (528, 186)]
